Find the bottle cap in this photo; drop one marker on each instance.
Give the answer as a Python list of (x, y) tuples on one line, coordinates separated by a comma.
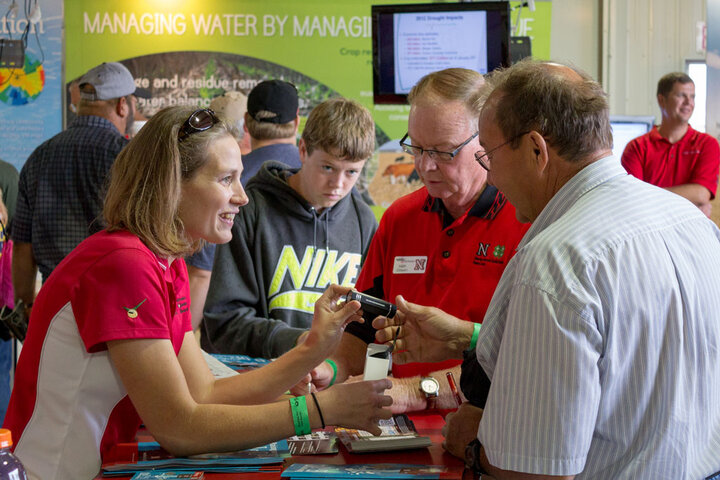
[(5, 438)]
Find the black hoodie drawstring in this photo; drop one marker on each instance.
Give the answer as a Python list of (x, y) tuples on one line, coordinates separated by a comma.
[(327, 230)]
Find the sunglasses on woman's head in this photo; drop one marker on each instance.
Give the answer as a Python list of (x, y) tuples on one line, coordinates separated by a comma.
[(198, 121)]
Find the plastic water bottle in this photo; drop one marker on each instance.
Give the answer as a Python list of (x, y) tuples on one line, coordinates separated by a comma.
[(10, 466)]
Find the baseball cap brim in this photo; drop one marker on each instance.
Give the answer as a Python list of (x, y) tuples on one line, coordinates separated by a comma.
[(142, 93)]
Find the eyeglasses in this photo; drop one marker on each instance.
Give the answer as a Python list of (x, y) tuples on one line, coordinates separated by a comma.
[(434, 155), (198, 121), (486, 163)]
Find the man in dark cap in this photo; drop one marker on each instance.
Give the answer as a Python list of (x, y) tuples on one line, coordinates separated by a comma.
[(60, 191), (272, 122)]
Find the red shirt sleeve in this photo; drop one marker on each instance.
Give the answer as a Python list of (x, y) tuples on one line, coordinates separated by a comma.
[(705, 171), (122, 296), (632, 159)]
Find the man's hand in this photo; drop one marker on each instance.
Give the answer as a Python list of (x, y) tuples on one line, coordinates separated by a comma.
[(427, 334), (461, 428), (321, 376)]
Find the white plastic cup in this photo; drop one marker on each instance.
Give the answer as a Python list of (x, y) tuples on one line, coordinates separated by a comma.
[(378, 361)]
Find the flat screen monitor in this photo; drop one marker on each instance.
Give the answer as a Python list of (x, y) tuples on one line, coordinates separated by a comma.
[(627, 127), (410, 41)]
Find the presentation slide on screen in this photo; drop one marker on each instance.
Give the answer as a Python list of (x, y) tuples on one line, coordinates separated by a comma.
[(426, 42)]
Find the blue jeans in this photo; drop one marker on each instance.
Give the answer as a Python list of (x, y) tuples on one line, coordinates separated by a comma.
[(5, 368)]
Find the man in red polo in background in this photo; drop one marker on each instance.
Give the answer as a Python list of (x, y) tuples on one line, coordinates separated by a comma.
[(445, 245), (673, 155)]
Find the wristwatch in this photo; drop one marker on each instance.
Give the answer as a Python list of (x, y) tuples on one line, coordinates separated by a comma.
[(430, 387), (472, 458)]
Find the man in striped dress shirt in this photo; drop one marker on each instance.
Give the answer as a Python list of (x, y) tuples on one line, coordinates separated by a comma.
[(602, 339)]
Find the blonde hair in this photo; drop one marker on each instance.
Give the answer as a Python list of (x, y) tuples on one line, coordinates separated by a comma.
[(146, 180), (341, 127), (449, 85)]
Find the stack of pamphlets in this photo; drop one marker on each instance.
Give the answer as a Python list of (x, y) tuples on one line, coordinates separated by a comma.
[(127, 459), (398, 433), (316, 443), (298, 471)]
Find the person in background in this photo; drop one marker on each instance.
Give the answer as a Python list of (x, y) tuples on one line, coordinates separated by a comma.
[(440, 245), (8, 198), (303, 229), (272, 121), (61, 184), (231, 107), (113, 322), (602, 337), (673, 155)]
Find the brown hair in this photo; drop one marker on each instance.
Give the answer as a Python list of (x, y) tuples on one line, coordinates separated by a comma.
[(266, 130), (668, 81), (146, 180), (569, 109), (341, 127)]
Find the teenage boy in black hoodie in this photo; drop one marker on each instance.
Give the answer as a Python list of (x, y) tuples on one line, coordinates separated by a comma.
[(302, 230)]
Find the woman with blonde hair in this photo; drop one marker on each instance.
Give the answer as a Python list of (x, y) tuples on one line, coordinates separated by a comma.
[(110, 343)]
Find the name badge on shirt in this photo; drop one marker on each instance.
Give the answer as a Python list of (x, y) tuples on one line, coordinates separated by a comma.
[(410, 265)]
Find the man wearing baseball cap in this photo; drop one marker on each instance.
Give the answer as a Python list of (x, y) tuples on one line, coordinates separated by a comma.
[(60, 188), (272, 122), (270, 114)]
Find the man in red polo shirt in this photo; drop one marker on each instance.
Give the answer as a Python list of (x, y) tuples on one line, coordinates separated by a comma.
[(673, 155), (444, 245)]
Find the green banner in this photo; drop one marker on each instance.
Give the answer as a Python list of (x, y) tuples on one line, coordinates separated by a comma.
[(328, 43), (188, 52)]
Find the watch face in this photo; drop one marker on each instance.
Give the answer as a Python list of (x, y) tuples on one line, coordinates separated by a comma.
[(429, 385)]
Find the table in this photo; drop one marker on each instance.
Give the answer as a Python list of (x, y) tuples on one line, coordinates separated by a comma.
[(428, 424)]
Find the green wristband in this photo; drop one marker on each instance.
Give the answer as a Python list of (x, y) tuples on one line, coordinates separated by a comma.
[(475, 335), (334, 367), (301, 419)]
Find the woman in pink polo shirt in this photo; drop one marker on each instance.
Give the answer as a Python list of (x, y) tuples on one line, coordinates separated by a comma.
[(110, 342)]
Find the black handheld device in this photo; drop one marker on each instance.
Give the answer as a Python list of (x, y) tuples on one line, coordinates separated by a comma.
[(373, 307)]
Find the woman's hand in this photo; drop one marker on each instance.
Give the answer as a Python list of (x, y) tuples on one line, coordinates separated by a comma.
[(358, 405), (330, 319)]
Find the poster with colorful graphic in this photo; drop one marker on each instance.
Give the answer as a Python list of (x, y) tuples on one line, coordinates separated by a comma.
[(188, 52), (30, 76)]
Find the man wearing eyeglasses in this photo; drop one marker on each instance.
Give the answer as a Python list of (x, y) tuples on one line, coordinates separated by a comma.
[(445, 244), (61, 184), (602, 336)]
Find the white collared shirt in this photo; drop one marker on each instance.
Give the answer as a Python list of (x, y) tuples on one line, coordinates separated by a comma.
[(603, 337)]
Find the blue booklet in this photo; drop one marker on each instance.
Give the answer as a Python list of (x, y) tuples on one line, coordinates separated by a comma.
[(157, 475), (367, 471), (144, 456), (240, 361)]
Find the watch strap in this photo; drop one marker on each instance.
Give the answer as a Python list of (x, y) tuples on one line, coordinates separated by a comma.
[(472, 457), (431, 398)]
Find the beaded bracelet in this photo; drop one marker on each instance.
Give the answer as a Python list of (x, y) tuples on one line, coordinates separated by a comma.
[(301, 419)]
